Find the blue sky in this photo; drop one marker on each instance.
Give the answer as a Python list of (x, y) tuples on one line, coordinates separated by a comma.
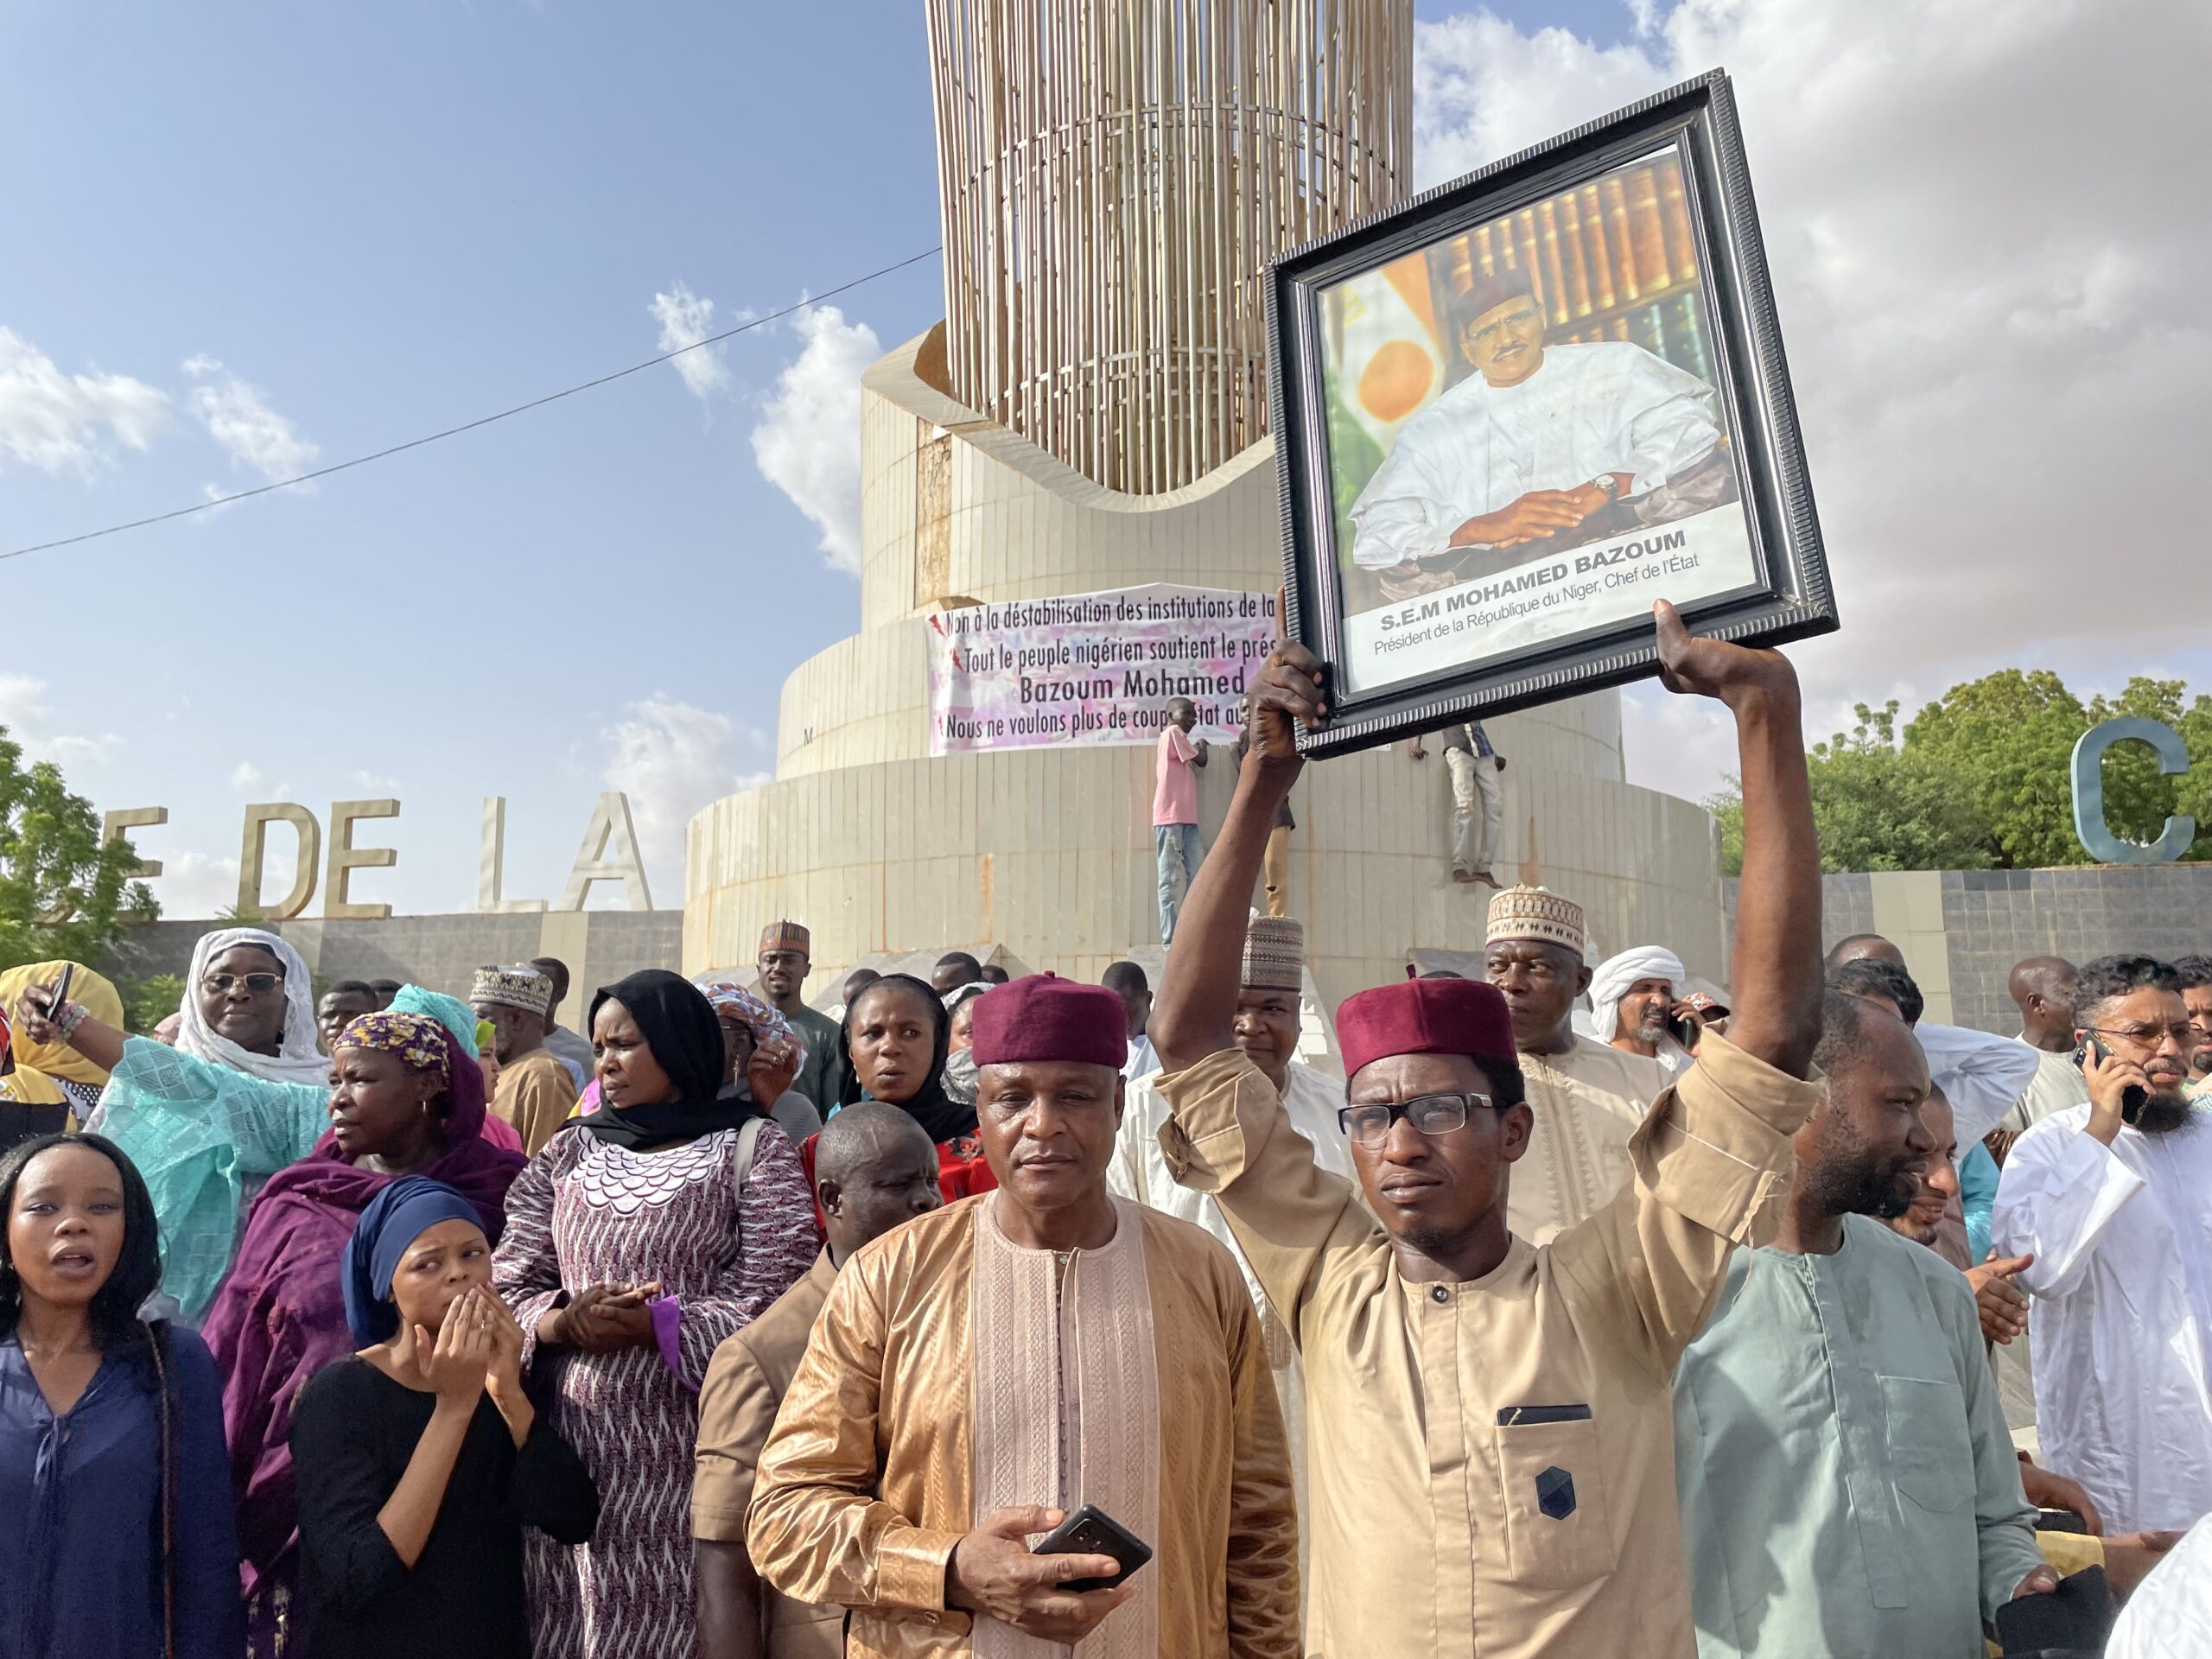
[(314, 231)]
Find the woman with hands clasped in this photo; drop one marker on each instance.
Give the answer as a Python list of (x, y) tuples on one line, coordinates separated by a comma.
[(420, 1459), (640, 1237)]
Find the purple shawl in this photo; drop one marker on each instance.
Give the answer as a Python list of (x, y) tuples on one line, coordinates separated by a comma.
[(280, 1317)]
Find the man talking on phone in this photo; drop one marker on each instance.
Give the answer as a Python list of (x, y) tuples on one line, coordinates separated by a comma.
[(1489, 1426), (1043, 1354), (2113, 1199)]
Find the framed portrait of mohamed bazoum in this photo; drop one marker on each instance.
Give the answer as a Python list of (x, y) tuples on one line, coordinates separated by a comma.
[(1514, 412)]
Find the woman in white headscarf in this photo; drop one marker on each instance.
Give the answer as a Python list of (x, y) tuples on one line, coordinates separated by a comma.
[(249, 1004), (245, 1091)]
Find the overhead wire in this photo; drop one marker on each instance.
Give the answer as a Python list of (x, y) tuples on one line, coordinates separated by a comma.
[(210, 505)]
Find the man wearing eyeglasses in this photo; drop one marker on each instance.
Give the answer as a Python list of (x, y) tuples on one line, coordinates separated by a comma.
[(1490, 1446), (2113, 1199)]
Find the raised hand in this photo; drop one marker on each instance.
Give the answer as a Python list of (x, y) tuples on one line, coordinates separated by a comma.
[(1691, 666), (2002, 1304), (993, 1573), (770, 1071), (1286, 696)]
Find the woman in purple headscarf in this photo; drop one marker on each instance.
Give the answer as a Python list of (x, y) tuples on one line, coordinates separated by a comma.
[(407, 1100)]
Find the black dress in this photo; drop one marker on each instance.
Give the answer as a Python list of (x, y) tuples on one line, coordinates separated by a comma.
[(353, 1432)]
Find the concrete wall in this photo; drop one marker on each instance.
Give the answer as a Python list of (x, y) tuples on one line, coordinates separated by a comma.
[(1962, 931), (441, 952)]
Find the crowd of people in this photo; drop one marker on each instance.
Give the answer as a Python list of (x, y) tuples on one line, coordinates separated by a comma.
[(1595, 1309)]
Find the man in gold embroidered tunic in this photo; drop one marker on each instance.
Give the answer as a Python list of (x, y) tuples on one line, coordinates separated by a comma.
[(1491, 1436), (980, 1372)]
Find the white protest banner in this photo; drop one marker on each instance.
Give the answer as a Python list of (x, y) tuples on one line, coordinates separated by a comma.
[(1093, 669)]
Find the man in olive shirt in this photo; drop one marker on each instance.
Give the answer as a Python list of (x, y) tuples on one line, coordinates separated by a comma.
[(873, 1168), (1491, 1433), (785, 959)]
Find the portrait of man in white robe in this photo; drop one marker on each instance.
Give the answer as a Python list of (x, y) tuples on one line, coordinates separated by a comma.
[(1552, 444)]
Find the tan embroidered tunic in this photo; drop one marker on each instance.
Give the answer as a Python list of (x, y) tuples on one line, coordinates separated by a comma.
[(1491, 1464), (1587, 1102), (952, 1372)]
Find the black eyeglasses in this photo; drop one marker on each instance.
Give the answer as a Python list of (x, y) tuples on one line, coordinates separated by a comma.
[(1429, 1113), (223, 984), (2148, 1036)]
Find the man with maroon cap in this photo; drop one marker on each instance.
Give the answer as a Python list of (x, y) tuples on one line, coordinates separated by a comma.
[(980, 1373), (1489, 1439)]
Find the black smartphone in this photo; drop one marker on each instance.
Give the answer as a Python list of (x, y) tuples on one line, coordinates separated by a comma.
[(2132, 1098), (2060, 1520), (1091, 1531)]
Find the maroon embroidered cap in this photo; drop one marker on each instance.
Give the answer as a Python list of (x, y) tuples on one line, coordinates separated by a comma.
[(1044, 1017), (1425, 1016)]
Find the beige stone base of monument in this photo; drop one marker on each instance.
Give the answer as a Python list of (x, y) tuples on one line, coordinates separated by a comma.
[(879, 848)]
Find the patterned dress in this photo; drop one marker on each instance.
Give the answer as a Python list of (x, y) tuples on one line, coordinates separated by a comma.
[(584, 1213)]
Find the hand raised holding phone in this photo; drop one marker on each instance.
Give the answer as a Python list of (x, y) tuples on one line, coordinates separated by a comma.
[(994, 1573)]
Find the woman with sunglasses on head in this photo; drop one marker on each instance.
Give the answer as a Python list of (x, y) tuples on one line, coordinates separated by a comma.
[(640, 1237), (116, 1532), (420, 1459)]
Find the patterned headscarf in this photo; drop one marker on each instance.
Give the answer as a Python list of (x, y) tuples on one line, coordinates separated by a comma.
[(766, 1022), (415, 1038)]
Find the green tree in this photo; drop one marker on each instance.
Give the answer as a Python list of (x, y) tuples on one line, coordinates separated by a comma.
[(2008, 739), (146, 1003), (1877, 806), (63, 893)]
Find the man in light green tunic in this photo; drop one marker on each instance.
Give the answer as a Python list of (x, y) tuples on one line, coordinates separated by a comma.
[(1848, 1487)]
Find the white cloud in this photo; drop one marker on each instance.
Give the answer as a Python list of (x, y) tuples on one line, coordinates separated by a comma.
[(58, 422), (1996, 337), (685, 319), (670, 759), (808, 442), (249, 779), (24, 709), (237, 417), (194, 885)]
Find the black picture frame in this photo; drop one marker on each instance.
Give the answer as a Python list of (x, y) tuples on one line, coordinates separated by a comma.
[(1784, 593)]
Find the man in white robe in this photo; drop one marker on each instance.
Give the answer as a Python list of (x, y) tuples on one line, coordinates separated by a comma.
[(2116, 1208), (1537, 441), (1632, 998)]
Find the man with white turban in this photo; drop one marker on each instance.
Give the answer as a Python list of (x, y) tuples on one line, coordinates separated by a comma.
[(1631, 998)]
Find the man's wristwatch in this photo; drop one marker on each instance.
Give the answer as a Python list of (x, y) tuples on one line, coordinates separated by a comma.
[(1606, 484)]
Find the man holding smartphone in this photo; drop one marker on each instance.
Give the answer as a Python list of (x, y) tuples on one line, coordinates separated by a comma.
[(983, 1375), (1491, 1437), (2113, 1200)]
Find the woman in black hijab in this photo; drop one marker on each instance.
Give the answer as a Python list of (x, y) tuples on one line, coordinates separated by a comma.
[(640, 1237), (896, 1033)]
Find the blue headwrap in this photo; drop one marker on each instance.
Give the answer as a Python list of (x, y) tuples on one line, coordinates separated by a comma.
[(456, 1016), (395, 1217)]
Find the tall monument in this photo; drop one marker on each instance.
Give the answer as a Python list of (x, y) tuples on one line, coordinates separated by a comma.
[(1115, 174)]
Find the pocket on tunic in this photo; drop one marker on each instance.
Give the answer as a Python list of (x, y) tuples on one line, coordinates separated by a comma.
[(1931, 1454), (1558, 1535)]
